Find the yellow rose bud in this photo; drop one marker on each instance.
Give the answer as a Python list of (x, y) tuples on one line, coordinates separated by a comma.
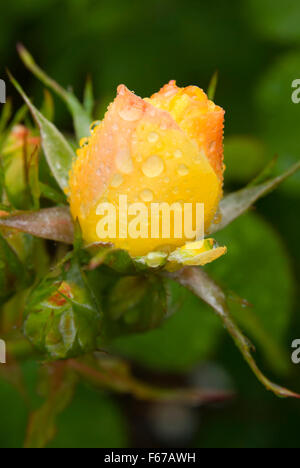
[(166, 149)]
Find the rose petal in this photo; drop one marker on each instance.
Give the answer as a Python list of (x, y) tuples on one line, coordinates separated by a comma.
[(199, 117)]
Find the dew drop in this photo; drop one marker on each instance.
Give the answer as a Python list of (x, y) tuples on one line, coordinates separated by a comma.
[(130, 114), (165, 248), (117, 180), (147, 195), (153, 137), (124, 162), (153, 167), (95, 125), (183, 170), (200, 156), (83, 142), (178, 154)]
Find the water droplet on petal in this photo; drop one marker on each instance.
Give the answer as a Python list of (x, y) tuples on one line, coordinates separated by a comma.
[(147, 195), (153, 137), (95, 125), (200, 156), (165, 248), (130, 114), (153, 167), (178, 154), (124, 162), (183, 170), (117, 180), (83, 142)]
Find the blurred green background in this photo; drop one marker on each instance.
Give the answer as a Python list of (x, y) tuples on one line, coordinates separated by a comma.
[(255, 46)]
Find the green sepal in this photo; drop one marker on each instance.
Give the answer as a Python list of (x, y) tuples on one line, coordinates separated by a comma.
[(63, 319), (134, 304)]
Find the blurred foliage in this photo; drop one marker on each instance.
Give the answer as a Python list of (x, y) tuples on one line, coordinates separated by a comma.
[(97, 412), (278, 116), (276, 21), (255, 47)]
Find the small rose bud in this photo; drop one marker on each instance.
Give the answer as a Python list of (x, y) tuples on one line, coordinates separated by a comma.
[(17, 152)]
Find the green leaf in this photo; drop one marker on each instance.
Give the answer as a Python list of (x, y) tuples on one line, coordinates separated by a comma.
[(49, 223), (89, 101), (81, 117), (198, 281), (212, 88), (48, 106), (58, 152), (238, 203), (63, 319), (52, 194)]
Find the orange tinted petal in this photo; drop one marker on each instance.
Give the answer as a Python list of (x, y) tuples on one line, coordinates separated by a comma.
[(199, 117)]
